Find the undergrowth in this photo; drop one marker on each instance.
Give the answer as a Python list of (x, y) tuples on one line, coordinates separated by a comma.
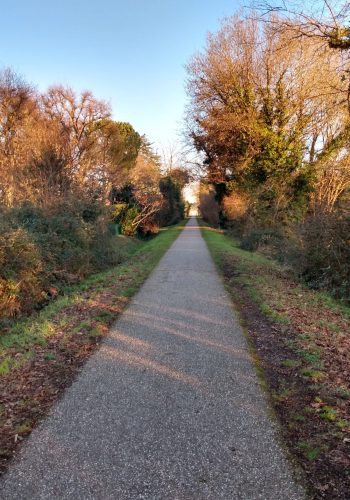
[(301, 342)]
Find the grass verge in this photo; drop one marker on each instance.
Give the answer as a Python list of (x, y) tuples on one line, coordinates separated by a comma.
[(40, 356), (301, 338)]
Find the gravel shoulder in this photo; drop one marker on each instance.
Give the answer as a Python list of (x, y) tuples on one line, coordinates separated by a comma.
[(170, 406)]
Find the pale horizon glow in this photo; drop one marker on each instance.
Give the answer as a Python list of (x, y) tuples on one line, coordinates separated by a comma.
[(190, 193)]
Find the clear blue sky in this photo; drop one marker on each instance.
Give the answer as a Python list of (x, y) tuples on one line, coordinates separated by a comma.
[(131, 53)]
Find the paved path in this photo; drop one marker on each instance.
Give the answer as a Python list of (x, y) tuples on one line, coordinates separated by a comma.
[(168, 408)]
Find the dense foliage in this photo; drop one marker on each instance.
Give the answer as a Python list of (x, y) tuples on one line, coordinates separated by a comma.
[(41, 251), (68, 175), (269, 112)]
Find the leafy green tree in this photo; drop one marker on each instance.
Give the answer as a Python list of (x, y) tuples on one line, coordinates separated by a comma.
[(124, 144), (173, 209)]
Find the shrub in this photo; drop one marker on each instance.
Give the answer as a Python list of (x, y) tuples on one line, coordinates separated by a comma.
[(118, 212), (125, 215), (321, 253), (256, 238), (41, 250), (235, 205), (209, 208), (21, 271), (150, 229), (127, 223), (103, 245)]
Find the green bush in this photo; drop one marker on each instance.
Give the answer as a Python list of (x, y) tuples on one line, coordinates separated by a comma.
[(103, 245), (21, 271), (125, 215), (41, 250), (128, 227), (321, 253), (173, 209), (118, 212)]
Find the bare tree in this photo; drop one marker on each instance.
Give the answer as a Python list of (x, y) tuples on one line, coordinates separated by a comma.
[(17, 106), (327, 20), (80, 119), (145, 177), (171, 157)]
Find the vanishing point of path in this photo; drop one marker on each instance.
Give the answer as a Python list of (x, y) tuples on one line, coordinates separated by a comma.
[(170, 407)]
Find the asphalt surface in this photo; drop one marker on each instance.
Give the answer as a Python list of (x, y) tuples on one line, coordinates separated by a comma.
[(170, 407)]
